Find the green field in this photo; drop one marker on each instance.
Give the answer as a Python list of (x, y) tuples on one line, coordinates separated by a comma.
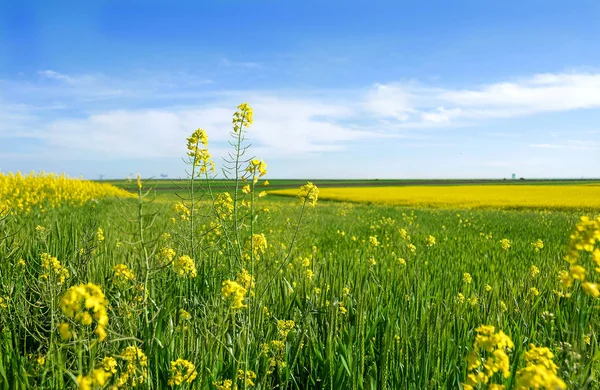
[(397, 325)]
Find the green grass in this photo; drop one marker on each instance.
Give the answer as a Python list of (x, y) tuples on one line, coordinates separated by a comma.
[(402, 328)]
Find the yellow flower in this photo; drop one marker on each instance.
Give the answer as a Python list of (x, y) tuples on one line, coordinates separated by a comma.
[(184, 266), (182, 371), (109, 364), (224, 206), (565, 279), (135, 371), (54, 267), (540, 371), (121, 271), (467, 278), (84, 382), (309, 193), (258, 245), (246, 189), (224, 385), (505, 244), (234, 292), (200, 156), (184, 315), (591, 289), (460, 298), (182, 210), (247, 376), (257, 166), (537, 245), (100, 235), (534, 271), (242, 117), (578, 272), (482, 366), (401, 261), (284, 327), (166, 255), (488, 288), (65, 332), (40, 229), (534, 291), (430, 240), (373, 241), (473, 301), (246, 280), (84, 303)]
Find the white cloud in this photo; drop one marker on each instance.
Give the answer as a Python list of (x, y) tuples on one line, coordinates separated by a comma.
[(537, 94), (389, 101), (95, 115)]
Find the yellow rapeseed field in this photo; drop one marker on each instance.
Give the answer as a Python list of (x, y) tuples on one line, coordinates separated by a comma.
[(48, 190), (470, 196)]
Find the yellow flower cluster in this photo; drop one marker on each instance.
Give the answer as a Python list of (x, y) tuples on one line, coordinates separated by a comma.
[(242, 117), (184, 266), (122, 273), (257, 244), (534, 271), (247, 376), (540, 371), (166, 255), (583, 240), (200, 155), (256, 166), (224, 206), (100, 235), (84, 304), (54, 268), (505, 244), (235, 293), (488, 357), (48, 190), (246, 280), (136, 371), (182, 210), (537, 245), (430, 240), (182, 371), (284, 327), (223, 385), (309, 193), (99, 376)]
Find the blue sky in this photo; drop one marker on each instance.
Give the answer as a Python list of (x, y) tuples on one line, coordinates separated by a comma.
[(340, 89)]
